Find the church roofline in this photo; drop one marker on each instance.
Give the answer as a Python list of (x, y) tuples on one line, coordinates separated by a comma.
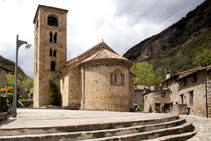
[(93, 50), (39, 6)]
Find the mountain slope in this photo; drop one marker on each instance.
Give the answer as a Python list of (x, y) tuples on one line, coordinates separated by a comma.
[(10, 65), (175, 47)]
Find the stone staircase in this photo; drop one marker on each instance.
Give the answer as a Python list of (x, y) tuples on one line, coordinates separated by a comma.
[(170, 128)]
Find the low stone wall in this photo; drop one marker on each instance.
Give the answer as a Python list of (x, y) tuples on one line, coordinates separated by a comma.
[(180, 109), (26, 104)]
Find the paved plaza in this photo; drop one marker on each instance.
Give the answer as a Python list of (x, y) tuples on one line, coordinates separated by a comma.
[(202, 127), (51, 117)]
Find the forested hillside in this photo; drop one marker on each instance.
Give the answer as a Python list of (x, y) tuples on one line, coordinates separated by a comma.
[(175, 48), (10, 65)]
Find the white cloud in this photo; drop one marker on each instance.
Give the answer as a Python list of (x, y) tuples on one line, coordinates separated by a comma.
[(121, 23)]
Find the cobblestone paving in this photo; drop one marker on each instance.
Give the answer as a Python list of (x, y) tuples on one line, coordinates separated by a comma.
[(202, 127)]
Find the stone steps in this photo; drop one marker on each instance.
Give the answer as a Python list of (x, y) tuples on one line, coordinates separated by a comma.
[(187, 127), (178, 137), (133, 130), (76, 128)]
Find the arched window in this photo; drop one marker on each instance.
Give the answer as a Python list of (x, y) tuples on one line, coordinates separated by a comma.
[(52, 21), (55, 38), (54, 53), (50, 37), (50, 52), (117, 77), (53, 65)]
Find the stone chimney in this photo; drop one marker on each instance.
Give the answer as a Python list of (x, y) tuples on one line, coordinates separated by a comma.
[(152, 87), (145, 90), (168, 75), (135, 85)]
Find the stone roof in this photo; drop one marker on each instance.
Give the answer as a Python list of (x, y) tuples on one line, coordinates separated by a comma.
[(102, 54), (187, 73), (140, 87), (99, 51), (191, 71)]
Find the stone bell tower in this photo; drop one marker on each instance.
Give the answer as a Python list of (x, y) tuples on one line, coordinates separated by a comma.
[(50, 50)]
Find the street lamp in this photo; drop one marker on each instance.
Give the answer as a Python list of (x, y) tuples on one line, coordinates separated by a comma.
[(18, 44)]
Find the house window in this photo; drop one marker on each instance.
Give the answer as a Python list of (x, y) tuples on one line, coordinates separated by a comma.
[(182, 98), (157, 105), (185, 82), (37, 25), (191, 98), (163, 94), (195, 78), (52, 21), (36, 68), (53, 66)]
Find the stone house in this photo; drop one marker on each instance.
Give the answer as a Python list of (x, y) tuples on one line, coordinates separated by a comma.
[(3, 76), (98, 79), (187, 92), (138, 94)]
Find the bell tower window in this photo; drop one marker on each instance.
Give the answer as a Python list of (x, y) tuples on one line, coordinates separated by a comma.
[(55, 37), (53, 66), (54, 54), (52, 21), (50, 52), (50, 37)]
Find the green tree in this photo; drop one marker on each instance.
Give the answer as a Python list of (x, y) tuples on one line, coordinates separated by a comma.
[(54, 95), (203, 59), (28, 83), (10, 79), (25, 83), (145, 74)]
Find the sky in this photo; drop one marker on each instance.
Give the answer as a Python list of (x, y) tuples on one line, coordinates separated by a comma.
[(120, 23)]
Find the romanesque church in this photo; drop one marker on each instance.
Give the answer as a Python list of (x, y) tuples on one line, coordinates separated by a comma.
[(98, 79)]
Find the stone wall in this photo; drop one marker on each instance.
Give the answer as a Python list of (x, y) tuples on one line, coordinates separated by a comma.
[(100, 90), (138, 98), (155, 97), (197, 104), (3, 76), (180, 109)]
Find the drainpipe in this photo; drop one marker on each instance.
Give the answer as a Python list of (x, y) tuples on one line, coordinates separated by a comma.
[(206, 92)]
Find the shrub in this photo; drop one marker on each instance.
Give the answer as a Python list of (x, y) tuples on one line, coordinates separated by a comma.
[(54, 95), (23, 100), (157, 108), (10, 97), (20, 97), (142, 109)]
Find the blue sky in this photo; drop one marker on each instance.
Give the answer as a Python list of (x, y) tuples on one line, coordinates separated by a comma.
[(121, 23)]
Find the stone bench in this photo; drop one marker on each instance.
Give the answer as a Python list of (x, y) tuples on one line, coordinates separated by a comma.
[(3, 114)]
